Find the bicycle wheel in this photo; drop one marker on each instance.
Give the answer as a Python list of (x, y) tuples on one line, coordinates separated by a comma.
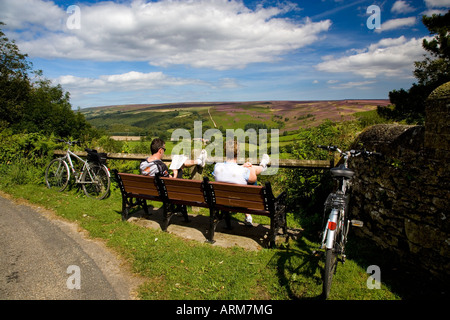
[(57, 175), (95, 181), (330, 268)]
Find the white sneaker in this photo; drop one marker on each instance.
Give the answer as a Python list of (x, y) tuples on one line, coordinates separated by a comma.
[(264, 161), (202, 158), (248, 220)]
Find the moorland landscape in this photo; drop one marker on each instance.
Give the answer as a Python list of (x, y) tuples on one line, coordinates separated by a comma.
[(154, 119)]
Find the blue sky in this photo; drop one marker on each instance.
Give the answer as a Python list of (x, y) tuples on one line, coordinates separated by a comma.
[(132, 52)]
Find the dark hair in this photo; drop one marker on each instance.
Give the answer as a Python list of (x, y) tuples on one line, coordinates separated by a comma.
[(157, 144)]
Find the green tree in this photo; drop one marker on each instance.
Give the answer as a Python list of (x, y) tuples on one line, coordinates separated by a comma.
[(35, 105), (14, 81), (430, 73)]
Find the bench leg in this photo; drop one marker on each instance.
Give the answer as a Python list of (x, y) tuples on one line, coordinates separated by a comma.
[(227, 217), (213, 221), (125, 209), (183, 210), (277, 221), (273, 231), (145, 206), (167, 214)]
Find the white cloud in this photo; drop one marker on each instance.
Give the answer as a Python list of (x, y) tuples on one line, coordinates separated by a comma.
[(210, 33), (34, 14), (397, 23), (130, 81), (388, 57), (353, 84), (436, 7), (437, 3), (402, 7)]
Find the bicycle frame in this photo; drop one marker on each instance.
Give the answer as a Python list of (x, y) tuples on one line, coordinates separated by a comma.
[(71, 166), (85, 167), (337, 220)]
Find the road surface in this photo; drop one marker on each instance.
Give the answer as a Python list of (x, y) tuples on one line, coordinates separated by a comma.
[(42, 257)]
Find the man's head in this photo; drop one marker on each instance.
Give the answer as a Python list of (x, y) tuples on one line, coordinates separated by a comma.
[(157, 145)]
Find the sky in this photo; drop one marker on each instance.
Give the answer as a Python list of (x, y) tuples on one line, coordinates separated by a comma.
[(169, 51)]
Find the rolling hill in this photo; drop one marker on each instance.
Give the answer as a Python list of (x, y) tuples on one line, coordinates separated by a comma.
[(154, 119)]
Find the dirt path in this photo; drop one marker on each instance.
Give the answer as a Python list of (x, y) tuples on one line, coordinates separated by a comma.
[(215, 126)]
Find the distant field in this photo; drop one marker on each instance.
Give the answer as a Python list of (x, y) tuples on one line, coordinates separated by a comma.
[(126, 138), (148, 119)]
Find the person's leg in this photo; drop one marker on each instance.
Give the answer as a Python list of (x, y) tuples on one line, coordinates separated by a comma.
[(200, 161)]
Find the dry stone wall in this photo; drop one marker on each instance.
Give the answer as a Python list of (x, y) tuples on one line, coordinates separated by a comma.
[(403, 196)]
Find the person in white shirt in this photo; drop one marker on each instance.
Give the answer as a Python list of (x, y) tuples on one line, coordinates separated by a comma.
[(230, 172)]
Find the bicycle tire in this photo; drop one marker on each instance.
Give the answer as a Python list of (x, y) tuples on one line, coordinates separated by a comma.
[(330, 268), (57, 175), (98, 187)]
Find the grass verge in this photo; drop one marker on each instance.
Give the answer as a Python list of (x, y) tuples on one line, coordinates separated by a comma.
[(180, 269)]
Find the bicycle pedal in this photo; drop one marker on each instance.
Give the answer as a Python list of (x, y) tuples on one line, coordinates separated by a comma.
[(317, 253), (357, 223)]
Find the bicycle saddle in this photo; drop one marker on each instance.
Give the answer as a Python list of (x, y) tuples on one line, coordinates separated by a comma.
[(341, 171)]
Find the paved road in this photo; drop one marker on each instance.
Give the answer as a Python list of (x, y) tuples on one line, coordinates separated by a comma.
[(46, 258)]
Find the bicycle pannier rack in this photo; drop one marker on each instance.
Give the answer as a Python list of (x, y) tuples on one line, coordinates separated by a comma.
[(96, 157), (336, 201)]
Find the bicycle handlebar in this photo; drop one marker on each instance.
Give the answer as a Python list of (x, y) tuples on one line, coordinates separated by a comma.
[(329, 148), (351, 153), (69, 142)]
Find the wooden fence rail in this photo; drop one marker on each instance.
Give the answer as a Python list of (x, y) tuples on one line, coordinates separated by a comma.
[(282, 163)]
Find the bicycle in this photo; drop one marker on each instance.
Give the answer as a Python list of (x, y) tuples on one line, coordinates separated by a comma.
[(334, 237), (94, 176)]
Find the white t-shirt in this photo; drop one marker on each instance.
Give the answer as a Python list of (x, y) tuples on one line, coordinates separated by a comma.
[(231, 172)]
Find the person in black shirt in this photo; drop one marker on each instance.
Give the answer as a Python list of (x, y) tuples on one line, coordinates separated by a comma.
[(154, 164)]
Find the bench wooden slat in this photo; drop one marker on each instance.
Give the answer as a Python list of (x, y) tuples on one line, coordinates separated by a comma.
[(188, 191), (240, 196), (236, 204), (182, 182), (229, 187), (139, 184), (250, 197), (140, 191), (188, 197)]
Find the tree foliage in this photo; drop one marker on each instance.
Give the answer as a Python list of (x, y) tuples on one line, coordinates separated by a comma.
[(430, 73), (33, 103)]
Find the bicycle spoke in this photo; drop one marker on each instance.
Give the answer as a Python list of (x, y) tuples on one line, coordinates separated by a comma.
[(96, 182), (57, 175)]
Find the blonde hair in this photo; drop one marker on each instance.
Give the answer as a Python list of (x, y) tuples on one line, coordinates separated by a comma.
[(231, 148)]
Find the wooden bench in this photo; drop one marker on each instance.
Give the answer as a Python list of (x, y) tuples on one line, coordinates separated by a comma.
[(137, 189), (220, 198), (224, 198)]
